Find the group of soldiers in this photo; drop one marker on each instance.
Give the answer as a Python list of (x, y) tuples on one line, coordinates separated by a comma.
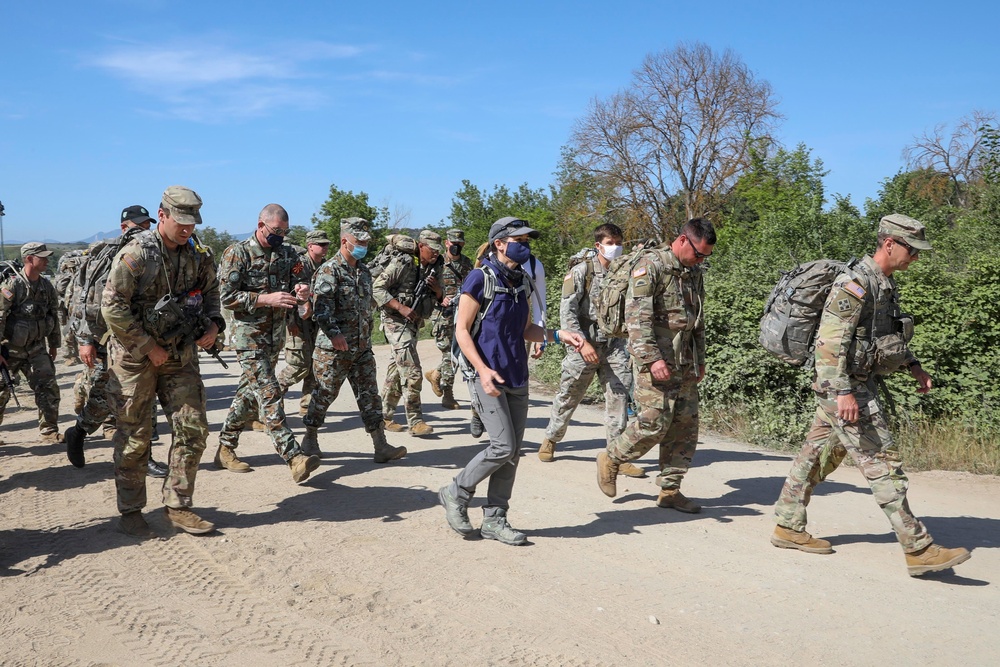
[(138, 308)]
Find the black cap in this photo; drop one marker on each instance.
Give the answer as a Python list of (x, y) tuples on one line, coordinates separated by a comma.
[(137, 214), (511, 226)]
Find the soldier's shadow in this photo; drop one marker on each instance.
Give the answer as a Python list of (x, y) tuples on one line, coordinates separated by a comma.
[(40, 549), (971, 532)]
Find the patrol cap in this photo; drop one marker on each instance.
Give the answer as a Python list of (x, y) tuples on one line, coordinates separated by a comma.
[(183, 204), (35, 248), (511, 226), (456, 235), (906, 229), (317, 237), (137, 214), (356, 227), (432, 239)]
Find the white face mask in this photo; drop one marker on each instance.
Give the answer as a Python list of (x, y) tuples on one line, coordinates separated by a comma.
[(610, 252)]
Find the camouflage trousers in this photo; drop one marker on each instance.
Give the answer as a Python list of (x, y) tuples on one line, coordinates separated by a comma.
[(36, 365), (403, 377), (69, 349), (133, 389), (614, 372), (444, 333), (258, 396), (92, 386), (298, 368), (331, 368), (667, 415), (867, 441)]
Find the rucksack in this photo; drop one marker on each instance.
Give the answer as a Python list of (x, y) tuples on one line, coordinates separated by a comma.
[(491, 286), (9, 268), (395, 246), (793, 311), (586, 255), (610, 302)]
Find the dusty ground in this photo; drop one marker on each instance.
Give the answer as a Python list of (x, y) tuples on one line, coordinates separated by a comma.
[(357, 566)]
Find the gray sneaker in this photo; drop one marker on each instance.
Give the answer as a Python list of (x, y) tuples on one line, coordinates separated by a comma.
[(456, 513), (496, 528)]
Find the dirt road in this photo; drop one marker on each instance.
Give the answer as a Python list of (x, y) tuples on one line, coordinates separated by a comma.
[(357, 566)]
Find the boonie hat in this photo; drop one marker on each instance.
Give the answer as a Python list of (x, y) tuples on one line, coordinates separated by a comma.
[(432, 239), (137, 214), (511, 226), (317, 237), (456, 236), (35, 248), (906, 229), (356, 227), (183, 204)]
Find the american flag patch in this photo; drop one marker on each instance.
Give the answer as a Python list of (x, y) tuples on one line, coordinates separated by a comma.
[(132, 264), (639, 272), (7, 293), (855, 289)]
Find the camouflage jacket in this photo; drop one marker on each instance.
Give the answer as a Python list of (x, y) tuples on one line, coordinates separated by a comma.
[(453, 274), (29, 314), (343, 304), (248, 270), (579, 293), (69, 265), (143, 273), (862, 306), (664, 312), (399, 281), (88, 288), (300, 331)]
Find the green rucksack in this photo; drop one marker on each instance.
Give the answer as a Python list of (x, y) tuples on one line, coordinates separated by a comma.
[(395, 245), (792, 313), (610, 303)]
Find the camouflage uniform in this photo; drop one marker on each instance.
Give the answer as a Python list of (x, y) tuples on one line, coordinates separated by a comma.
[(577, 313), (665, 321), (145, 271), (246, 271), (29, 321), (862, 307), (403, 378), (65, 283), (453, 273)]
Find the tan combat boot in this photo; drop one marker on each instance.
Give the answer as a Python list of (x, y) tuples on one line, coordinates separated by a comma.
[(448, 401), (786, 538), (607, 472), (629, 469), (301, 466), (546, 450), (226, 459), (257, 426), (384, 452), (673, 498), (310, 442), (933, 558), (393, 427), (421, 428), (51, 436), (133, 523), (434, 377), (188, 521)]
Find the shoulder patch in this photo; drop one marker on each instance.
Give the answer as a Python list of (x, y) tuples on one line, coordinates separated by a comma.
[(638, 273), (855, 289), (569, 276), (298, 268), (7, 293), (234, 277), (133, 264)]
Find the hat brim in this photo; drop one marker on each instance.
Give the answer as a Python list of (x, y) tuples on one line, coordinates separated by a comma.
[(918, 244), (434, 245), (185, 218), (44, 253), (141, 220), (519, 231)]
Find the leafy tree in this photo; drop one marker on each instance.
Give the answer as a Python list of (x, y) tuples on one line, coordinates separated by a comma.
[(342, 204), (217, 241)]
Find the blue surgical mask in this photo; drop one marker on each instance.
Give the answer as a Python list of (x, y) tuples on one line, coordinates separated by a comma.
[(358, 252), (518, 252)]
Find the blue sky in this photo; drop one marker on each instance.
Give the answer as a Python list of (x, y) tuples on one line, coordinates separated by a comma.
[(104, 103)]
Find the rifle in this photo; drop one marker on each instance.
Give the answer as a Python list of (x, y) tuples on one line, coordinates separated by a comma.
[(190, 322), (5, 372), (422, 287)]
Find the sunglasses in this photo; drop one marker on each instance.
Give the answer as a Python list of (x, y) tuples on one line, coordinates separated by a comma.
[(697, 255), (277, 232), (910, 249)]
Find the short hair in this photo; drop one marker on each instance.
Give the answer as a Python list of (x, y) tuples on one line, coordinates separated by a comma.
[(273, 211), (701, 229), (608, 231), (882, 238)]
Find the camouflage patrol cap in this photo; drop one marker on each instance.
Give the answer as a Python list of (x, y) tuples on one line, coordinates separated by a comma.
[(183, 204), (431, 239), (356, 227), (36, 249), (136, 214), (906, 229), (456, 236), (317, 237)]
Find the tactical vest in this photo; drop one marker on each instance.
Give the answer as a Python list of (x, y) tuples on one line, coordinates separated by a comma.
[(33, 318), (880, 340), (158, 322)]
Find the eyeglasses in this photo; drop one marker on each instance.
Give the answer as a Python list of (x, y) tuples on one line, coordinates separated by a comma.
[(910, 249), (277, 232), (697, 255)]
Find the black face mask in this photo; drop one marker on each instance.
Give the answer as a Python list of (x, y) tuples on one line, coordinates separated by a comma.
[(274, 240), (455, 250)]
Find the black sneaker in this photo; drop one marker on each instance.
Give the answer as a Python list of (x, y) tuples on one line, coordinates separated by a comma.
[(74, 446), (157, 469), (476, 426)]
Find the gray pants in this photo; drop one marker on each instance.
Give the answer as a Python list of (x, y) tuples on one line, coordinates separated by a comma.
[(503, 417)]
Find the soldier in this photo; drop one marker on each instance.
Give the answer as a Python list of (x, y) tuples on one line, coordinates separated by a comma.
[(160, 304), (396, 294), (455, 268), (64, 281), (343, 315), (608, 358), (261, 281), (302, 333), (90, 328), (666, 338), (863, 335), (29, 321)]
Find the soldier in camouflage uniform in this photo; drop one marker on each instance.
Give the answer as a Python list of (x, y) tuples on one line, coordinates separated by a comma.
[(343, 314), (29, 321), (301, 337), (64, 281), (90, 328), (152, 356), (455, 268), (666, 338), (261, 281), (607, 358), (395, 293), (863, 335)]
